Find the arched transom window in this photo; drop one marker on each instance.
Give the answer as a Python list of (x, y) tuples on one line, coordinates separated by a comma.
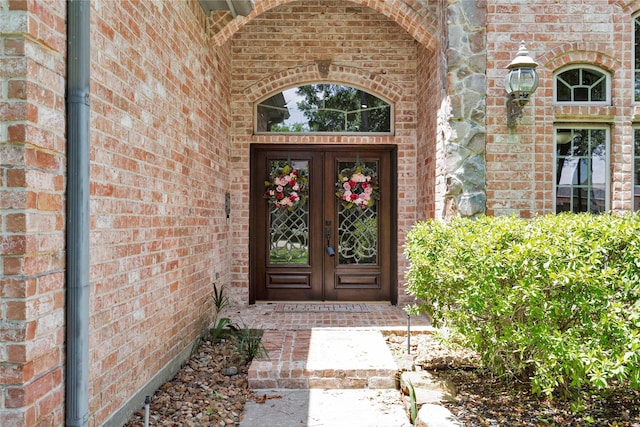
[(323, 108), (582, 85)]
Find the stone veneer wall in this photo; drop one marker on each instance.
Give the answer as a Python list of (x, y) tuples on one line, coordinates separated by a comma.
[(464, 141)]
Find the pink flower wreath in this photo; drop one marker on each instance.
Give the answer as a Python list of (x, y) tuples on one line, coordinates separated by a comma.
[(357, 187), (287, 187)]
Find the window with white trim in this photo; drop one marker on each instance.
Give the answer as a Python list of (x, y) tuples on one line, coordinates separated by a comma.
[(636, 59), (636, 169), (581, 176), (582, 85), (324, 108)]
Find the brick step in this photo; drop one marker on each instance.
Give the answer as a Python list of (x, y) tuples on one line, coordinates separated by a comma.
[(336, 358)]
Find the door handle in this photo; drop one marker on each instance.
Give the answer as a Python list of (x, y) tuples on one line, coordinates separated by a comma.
[(330, 251), (327, 231)]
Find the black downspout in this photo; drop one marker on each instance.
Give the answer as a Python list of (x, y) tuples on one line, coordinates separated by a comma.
[(77, 219)]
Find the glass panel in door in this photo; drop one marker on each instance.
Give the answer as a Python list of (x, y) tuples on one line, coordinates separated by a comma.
[(357, 213), (288, 212)]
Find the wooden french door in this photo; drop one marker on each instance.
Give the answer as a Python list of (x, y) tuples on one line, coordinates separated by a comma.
[(309, 244)]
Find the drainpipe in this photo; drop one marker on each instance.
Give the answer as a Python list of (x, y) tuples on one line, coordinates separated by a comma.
[(77, 215), (232, 8)]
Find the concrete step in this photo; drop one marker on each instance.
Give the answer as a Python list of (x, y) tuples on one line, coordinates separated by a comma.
[(324, 358)]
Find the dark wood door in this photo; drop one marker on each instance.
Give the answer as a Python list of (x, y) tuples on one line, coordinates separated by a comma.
[(322, 223)]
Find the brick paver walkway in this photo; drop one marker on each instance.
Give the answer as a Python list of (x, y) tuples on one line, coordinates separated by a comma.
[(295, 317), (324, 345)]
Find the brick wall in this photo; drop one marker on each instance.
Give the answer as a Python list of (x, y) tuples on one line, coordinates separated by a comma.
[(32, 146), (159, 171), (520, 161), (161, 162), (279, 48), (165, 99), (429, 155)]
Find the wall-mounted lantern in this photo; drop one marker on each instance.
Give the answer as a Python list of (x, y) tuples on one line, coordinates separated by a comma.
[(520, 83)]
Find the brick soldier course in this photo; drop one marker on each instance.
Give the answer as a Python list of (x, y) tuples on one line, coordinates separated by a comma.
[(172, 96)]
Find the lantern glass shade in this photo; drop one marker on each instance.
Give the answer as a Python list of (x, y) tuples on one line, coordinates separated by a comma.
[(521, 82)]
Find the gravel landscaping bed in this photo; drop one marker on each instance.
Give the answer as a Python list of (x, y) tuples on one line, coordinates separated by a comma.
[(206, 391)]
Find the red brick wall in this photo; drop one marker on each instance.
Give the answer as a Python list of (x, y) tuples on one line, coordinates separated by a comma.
[(161, 161), (164, 102), (159, 171), (32, 146), (520, 161), (278, 49), (429, 154)]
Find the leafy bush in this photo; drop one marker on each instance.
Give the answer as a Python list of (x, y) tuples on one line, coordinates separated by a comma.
[(554, 300)]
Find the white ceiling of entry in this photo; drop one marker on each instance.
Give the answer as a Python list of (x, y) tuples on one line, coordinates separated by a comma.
[(236, 7)]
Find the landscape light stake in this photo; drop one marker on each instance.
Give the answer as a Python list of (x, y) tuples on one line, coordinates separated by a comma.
[(408, 334), (147, 400)]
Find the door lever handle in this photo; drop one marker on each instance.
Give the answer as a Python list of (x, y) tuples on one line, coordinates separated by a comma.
[(327, 232)]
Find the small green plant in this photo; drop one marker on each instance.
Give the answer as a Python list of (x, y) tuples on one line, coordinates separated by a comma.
[(251, 345), (218, 396), (413, 403), (220, 300), (218, 329)]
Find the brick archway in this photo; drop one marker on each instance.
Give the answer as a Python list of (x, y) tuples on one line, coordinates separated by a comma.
[(419, 20), (351, 76), (574, 53)]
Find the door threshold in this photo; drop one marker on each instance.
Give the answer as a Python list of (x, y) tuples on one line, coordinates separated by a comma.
[(324, 302)]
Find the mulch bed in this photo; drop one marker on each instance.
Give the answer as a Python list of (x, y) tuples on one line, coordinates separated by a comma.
[(483, 400)]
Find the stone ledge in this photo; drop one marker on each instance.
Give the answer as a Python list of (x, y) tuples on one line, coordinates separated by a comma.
[(429, 392), (432, 415)]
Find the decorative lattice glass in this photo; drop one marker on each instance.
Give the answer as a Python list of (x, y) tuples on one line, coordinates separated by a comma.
[(289, 229), (358, 230)]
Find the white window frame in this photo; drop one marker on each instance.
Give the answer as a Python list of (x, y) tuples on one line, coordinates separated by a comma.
[(636, 52), (607, 166), (635, 172), (388, 101), (607, 77)]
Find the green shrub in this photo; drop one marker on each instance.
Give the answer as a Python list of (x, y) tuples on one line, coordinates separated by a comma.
[(554, 300)]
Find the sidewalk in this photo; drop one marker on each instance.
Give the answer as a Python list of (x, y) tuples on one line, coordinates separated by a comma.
[(327, 408)]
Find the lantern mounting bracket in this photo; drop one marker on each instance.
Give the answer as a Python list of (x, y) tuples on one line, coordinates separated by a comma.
[(515, 107)]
